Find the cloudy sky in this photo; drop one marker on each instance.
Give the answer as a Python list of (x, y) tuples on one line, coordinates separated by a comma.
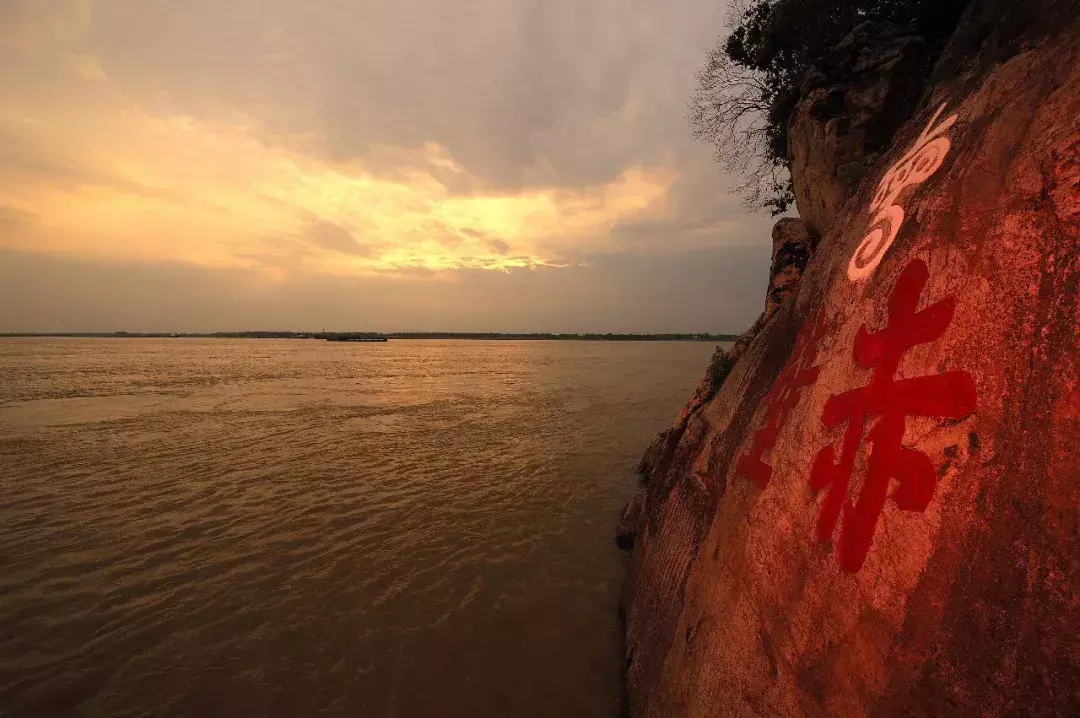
[(470, 165)]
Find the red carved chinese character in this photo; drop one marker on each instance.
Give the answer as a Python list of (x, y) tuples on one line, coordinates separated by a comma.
[(949, 396), (782, 398)]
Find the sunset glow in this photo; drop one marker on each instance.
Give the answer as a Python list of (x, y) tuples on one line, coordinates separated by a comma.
[(259, 147), (227, 194)]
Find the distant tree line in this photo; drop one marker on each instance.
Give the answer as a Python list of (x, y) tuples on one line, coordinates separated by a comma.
[(700, 337)]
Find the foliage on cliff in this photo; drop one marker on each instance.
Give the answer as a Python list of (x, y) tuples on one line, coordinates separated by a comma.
[(719, 367), (753, 78)]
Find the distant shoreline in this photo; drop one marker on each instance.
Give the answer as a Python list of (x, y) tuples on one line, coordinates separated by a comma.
[(701, 337)]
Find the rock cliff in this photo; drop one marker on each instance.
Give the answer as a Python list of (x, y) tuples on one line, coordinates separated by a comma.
[(870, 505), (849, 110)]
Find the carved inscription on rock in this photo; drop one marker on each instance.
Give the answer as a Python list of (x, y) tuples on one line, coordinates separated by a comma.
[(887, 402), (922, 160), (799, 372)]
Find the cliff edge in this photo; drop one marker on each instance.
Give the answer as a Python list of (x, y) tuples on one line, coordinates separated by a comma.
[(870, 504)]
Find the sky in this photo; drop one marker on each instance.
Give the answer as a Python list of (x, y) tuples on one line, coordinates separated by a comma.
[(382, 165)]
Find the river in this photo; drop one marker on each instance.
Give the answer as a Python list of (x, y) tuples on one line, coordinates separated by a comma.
[(297, 527)]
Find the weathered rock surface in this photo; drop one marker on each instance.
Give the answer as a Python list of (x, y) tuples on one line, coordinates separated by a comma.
[(837, 131), (630, 520), (876, 512), (649, 458), (792, 247)]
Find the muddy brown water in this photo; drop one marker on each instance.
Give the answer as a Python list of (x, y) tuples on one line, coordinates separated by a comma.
[(297, 527)]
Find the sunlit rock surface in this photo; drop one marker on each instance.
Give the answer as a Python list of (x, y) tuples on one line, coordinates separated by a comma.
[(875, 513)]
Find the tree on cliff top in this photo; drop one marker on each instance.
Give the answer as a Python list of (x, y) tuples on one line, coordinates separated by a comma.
[(751, 81)]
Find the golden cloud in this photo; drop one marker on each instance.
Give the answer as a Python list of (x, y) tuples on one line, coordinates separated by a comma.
[(121, 182), (103, 176)]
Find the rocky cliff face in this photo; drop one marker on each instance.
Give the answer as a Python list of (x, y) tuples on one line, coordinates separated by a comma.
[(792, 248), (874, 511), (850, 109)]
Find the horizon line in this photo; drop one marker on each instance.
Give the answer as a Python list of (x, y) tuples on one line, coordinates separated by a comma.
[(299, 334)]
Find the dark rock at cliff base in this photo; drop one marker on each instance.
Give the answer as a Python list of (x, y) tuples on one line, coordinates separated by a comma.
[(630, 520), (877, 511), (875, 77), (649, 458)]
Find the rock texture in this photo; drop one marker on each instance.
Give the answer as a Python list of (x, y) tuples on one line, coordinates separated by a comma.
[(630, 520), (876, 511), (876, 76), (792, 247)]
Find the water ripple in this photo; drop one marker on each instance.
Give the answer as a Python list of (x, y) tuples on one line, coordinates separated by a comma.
[(296, 527)]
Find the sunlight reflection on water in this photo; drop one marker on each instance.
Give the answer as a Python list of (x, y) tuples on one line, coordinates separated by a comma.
[(284, 527)]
